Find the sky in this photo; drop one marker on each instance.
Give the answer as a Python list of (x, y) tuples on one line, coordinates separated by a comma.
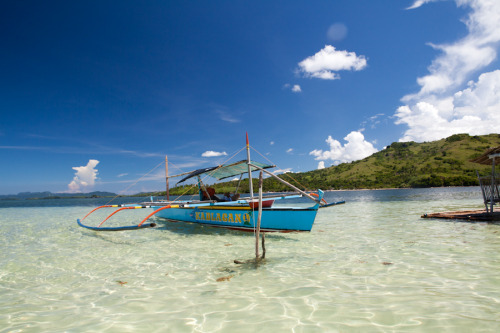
[(94, 94)]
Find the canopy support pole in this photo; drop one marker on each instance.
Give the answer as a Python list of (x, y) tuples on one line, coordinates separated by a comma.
[(250, 184), (167, 193)]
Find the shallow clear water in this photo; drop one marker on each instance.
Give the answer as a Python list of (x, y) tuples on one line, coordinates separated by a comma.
[(370, 265)]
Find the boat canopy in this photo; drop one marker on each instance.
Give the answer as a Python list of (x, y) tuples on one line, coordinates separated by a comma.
[(226, 171), (488, 157)]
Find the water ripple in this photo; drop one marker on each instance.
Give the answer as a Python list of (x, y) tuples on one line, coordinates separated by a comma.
[(369, 265)]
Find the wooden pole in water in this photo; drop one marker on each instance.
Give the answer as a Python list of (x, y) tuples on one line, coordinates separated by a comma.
[(259, 218), (493, 185), (166, 177), (263, 245)]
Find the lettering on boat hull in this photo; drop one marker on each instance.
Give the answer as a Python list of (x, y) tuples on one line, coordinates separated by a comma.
[(229, 217)]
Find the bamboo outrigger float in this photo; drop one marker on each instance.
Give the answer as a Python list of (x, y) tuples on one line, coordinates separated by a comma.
[(246, 213)]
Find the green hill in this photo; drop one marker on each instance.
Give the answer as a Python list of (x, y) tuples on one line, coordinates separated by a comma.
[(444, 162), (409, 164)]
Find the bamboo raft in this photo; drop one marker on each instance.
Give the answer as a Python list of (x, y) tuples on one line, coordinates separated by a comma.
[(490, 188), (468, 215)]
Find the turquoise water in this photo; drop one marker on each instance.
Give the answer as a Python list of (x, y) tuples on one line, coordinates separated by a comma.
[(371, 265)]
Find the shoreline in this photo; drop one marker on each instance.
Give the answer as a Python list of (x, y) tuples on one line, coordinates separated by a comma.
[(13, 197)]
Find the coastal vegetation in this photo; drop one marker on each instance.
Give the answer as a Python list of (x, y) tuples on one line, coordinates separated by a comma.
[(49, 195), (439, 163)]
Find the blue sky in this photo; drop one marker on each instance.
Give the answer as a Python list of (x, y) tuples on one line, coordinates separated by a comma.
[(93, 94)]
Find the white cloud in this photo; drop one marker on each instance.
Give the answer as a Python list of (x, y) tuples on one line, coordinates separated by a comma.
[(290, 150), (321, 165), (295, 88), (211, 153), (328, 61), (443, 106), (373, 121), (122, 175), (85, 177), (356, 148), (419, 3), (282, 171), (475, 110)]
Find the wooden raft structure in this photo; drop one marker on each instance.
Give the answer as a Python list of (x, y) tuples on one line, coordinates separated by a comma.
[(491, 183), (490, 189), (468, 215)]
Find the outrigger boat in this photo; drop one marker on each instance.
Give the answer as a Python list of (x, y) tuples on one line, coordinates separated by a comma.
[(245, 213)]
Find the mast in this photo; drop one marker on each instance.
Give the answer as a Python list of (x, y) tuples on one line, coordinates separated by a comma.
[(250, 184), (167, 193)]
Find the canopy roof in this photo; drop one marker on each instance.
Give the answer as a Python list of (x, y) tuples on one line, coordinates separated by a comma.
[(226, 171), (485, 158)]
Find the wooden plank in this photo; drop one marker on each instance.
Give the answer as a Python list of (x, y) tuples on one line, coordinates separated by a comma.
[(469, 215)]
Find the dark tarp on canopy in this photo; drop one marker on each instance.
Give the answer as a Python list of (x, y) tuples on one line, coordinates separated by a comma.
[(226, 171)]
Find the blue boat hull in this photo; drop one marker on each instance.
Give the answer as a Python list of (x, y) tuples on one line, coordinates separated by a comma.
[(281, 219)]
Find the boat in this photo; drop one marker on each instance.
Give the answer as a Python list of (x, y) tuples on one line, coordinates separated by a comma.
[(268, 213)]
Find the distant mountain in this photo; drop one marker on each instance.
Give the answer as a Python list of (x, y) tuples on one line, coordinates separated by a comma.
[(50, 195), (439, 163)]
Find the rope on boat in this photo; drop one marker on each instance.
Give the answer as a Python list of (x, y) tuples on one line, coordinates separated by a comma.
[(138, 180)]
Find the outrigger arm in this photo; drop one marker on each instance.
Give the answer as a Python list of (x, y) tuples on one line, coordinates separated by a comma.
[(132, 227)]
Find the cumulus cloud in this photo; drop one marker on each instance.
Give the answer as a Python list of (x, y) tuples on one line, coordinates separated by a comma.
[(85, 177), (321, 165), (356, 148), (328, 61), (474, 110), (211, 153), (443, 106)]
